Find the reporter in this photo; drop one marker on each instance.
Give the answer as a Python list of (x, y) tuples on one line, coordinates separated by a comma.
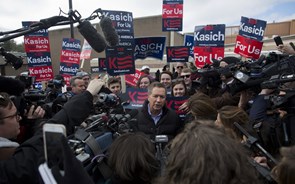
[(22, 166)]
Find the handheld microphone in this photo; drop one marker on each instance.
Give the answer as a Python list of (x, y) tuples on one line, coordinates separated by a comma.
[(109, 31), (95, 40)]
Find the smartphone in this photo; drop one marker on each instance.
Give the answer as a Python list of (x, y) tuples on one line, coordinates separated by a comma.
[(278, 40), (52, 144)]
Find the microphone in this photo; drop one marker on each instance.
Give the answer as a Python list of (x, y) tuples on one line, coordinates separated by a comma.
[(11, 86), (16, 62), (52, 21), (95, 40), (109, 31)]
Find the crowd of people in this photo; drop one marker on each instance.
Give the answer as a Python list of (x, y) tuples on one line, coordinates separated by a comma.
[(205, 147)]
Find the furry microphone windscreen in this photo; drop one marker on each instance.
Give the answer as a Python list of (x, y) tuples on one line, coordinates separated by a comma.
[(11, 86)]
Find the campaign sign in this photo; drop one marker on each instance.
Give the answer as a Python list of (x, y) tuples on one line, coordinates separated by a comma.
[(149, 47), (71, 44), (132, 79), (205, 55), (172, 14), (41, 32), (247, 47), (135, 97), (177, 53), (39, 59), (102, 64), (252, 28), (67, 78), (189, 41), (70, 56), (123, 24), (41, 73), (209, 36), (86, 50), (36, 44), (174, 103), (68, 68), (94, 69)]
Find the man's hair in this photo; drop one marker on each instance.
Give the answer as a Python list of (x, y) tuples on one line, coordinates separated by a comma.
[(73, 80), (202, 107), (284, 171), (230, 114), (132, 158), (166, 72), (204, 154), (155, 85), (4, 102), (113, 80)]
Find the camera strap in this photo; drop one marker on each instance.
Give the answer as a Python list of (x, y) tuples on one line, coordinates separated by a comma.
[(88, 139)]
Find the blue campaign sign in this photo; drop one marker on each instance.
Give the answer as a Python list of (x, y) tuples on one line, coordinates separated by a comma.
[(189, 41), (39, 59), (123, 23), (149, 47), (252, 28), (71, 44), (68, 68), (119, 62), (177, 53), (134, 97), (41, 32), (102, 64), (209, 35)]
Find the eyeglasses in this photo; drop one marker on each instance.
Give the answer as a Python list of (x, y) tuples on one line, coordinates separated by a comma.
[(16, 115), (179, 67), (185, 76)]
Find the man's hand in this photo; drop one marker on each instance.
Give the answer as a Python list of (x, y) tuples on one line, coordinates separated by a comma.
[(286, 49), (35, 113), (95, 86)]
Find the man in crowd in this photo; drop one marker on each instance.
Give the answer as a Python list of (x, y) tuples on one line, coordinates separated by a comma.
[(85, 77), (114, 85), (179, 67), (154, 118)]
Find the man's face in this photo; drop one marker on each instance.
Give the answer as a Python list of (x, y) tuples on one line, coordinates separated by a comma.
[(186, 77), (9, 123), (157, 99), (179, 67), (86, 80), (166, 80), (79, 86), (115, 88)]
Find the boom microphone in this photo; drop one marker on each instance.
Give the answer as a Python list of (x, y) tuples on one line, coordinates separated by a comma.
[(109, 31), (95, 40)]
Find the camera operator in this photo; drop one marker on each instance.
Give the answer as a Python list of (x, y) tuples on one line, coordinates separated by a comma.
[(271, 131), (77, 85), (22, 166), (54, 88)]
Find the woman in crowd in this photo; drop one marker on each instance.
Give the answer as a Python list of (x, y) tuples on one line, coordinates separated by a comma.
[(178, 88), (143, 82), (284, 172), (226, 117), (201, 107), (203, 154), (132, 159)]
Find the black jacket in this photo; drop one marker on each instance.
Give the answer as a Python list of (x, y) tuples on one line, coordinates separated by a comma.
[(23, 166), (169, 123)]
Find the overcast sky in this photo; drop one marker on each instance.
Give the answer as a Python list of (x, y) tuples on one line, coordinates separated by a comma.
[(196, 12)]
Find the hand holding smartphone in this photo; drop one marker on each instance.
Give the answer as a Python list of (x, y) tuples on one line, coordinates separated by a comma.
[(278, 40), (52, 145)]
